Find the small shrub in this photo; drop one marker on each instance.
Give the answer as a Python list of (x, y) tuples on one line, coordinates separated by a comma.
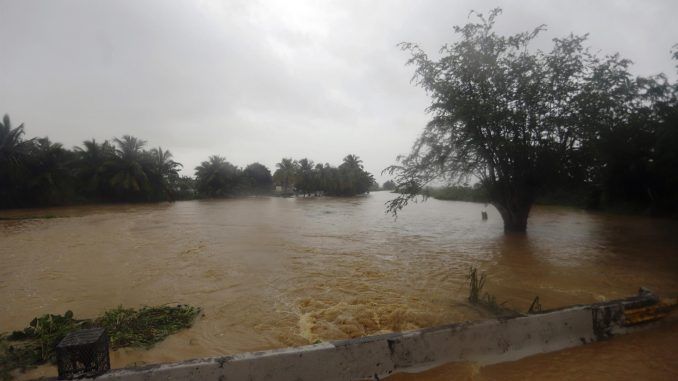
[(476, 285)]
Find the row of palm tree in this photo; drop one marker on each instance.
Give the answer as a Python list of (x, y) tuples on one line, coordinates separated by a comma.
[(216, 177), (38, 172), (35, 172), (306, 178)]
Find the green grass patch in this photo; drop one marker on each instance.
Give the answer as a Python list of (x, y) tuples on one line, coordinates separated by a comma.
[(126, 327)]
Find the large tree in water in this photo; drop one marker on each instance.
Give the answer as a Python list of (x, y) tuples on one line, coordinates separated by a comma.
[(508, 116)]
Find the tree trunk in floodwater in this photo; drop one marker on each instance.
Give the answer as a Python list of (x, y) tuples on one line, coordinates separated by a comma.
[(514, 207), (515, 220)]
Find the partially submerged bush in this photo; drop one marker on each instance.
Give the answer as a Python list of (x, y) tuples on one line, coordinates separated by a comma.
[(487, 300), (126, 327), (16, 356), (45, 332), (36, 343), (476, 284)]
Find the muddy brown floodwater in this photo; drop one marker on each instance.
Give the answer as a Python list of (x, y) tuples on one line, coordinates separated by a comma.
[(275, 272)]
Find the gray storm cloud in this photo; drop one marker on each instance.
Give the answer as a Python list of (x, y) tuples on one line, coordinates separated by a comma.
[(258, 80)]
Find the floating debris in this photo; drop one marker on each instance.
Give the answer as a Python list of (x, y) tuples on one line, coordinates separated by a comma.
[(147, 326), (126, 327)]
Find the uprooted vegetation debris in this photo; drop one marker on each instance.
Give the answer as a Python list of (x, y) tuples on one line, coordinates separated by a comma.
[(126, 327)]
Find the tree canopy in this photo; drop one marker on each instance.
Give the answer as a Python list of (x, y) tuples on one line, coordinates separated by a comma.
[(216, 177), (389, 185), (258, 178), (521, 121)]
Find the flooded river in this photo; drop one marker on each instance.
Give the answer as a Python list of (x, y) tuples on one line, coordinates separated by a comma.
[(275, 272)]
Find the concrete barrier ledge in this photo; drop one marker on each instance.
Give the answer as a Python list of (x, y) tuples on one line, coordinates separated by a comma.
[(375, 357)]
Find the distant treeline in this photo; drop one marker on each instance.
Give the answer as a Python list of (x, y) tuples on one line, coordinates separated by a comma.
[(583, 196), (458, 193), (216, 177), (39, 172)]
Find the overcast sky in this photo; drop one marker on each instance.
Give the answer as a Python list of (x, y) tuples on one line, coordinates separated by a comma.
[(260, 80)]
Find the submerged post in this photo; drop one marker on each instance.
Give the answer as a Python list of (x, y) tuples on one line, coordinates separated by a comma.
[(83, 353)]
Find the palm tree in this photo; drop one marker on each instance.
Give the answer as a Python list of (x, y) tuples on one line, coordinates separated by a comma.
[(208, 170), (11, 144), (320, 178), (352, 162), (94, 152), (163, 171), (286, 173), (305, 176), (91, 160), (125, 172), (163, 163), (216, 177), (12, 162), (129, 147), (352, 178), (50, 178)]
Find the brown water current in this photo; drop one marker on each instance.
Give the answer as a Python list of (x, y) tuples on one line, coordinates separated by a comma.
[(275, 272)]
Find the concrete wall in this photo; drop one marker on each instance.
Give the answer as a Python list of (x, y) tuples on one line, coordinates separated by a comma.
[(375, 357)]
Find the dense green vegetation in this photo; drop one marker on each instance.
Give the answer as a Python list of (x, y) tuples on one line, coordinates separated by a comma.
[(562, 126), (219, 178), (349, 179), (458, 193), (38, 172), (36, 344), (564, 197), (389, 185), (216, 177)]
